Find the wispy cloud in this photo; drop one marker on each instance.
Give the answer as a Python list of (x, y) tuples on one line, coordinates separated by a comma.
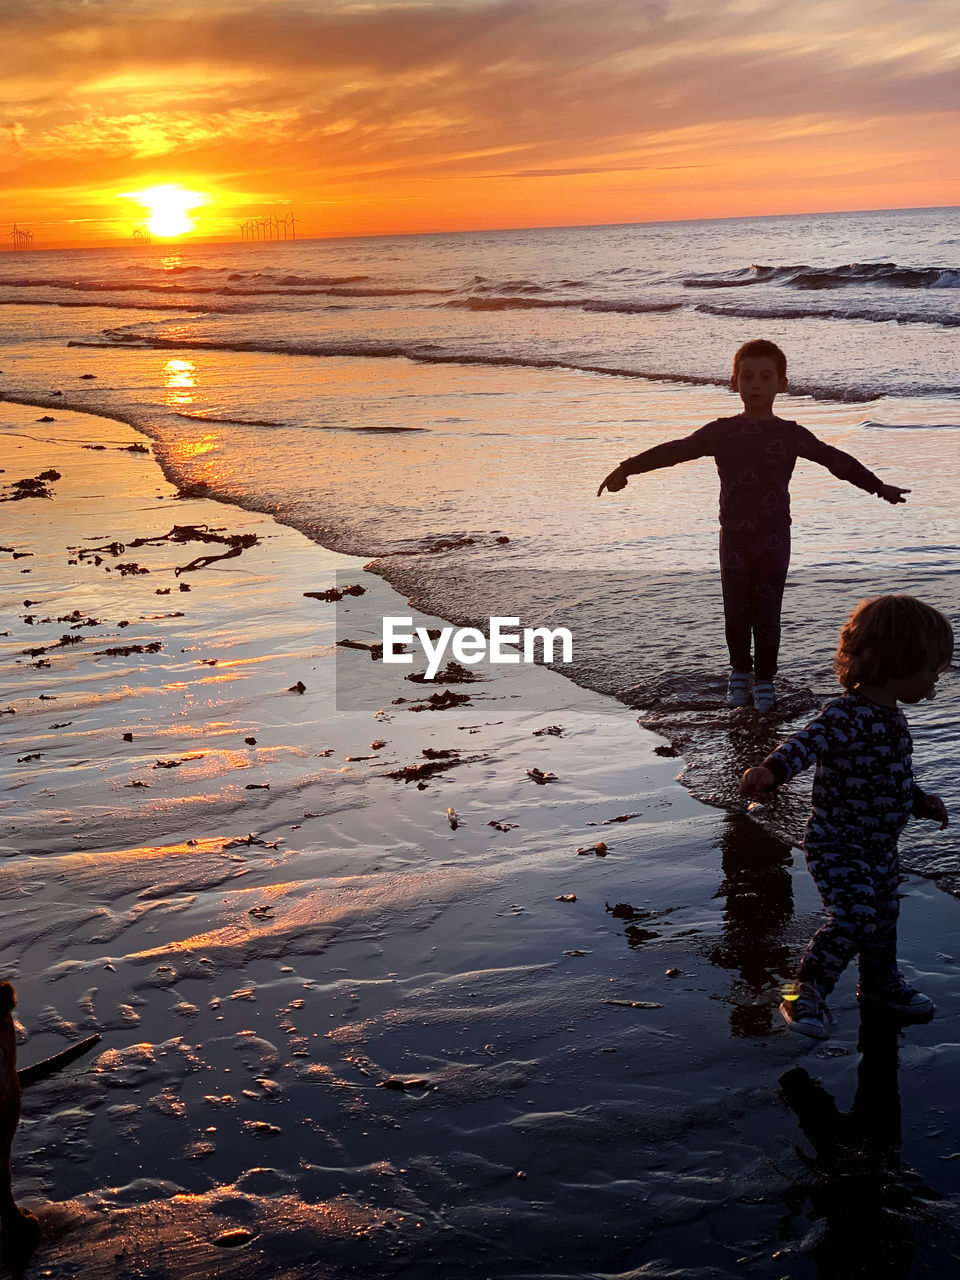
[(300, 98)]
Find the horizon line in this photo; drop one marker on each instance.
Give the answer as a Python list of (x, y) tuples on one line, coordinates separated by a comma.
[(174, 243)]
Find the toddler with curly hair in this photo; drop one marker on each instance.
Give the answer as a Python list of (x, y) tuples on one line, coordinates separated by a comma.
[(892, 649)]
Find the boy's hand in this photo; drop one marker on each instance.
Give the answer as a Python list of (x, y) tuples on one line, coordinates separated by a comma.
[(892, 493), (757, 782), (936, 810), (615, 481)]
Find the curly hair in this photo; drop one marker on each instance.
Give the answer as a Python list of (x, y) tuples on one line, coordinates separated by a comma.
[(760, 347), (887, 637)]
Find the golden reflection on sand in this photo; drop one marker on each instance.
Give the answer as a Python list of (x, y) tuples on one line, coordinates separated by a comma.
[(198, 1233), (304, 915)]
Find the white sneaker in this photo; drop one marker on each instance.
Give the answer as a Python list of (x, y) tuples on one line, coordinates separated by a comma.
[(764, 696), (739, 688)]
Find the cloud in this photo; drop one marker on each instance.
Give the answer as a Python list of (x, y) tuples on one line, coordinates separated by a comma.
[(763, 58), (349, 92)]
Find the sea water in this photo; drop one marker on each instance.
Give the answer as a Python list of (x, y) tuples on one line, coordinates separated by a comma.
[(448, 404)]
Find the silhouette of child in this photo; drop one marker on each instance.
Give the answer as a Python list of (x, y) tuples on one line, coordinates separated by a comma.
[(755, 454), (892, 649)]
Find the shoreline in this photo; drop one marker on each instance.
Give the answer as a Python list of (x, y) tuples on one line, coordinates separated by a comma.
[(681, 700), (261, 963)]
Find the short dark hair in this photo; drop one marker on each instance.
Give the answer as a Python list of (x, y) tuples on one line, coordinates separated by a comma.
[(887, 637), (761, 347)]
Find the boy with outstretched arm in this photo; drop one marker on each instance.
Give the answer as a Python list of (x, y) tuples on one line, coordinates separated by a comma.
[(755, 453)]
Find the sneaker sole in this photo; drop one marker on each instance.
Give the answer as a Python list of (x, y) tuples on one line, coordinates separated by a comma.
[(808, 1029)]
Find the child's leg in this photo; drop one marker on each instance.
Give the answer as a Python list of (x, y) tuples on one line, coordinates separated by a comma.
[(881, 981), (768, 577), (847, 886), (736, 584), (878, 954)]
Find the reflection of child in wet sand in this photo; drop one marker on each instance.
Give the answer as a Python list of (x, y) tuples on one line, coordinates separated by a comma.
[(892, 649), (755, 454)]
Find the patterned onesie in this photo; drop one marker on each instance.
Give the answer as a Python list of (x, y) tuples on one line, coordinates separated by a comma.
[(863, 794), (755, 460)]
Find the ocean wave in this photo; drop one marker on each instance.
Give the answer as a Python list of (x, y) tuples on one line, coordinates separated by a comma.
[(87, 286), (179, 269), (212, 418), (288, 286), (235, 309), (874, 425), (803, 276), (380, 291), (234, 422), (949, 320), (138, 276), (288, 279), (511, 286), (431, 353), (498, 303)]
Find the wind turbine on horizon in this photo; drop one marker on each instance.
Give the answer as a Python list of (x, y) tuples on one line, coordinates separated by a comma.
[(22, 238)]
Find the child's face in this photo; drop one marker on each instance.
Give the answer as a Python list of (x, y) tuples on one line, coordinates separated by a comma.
[(918, 685), (757, 383)]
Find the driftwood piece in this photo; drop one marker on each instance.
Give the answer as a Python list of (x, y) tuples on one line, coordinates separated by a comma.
[(50, 1066)]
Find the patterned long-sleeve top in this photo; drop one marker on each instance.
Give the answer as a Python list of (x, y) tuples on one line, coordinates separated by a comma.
[(863, 788), (755, 460)]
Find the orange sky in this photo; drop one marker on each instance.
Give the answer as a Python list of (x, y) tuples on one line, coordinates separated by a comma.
[(416, 116)]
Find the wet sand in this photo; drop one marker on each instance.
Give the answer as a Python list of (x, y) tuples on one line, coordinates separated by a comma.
[(342, 1036)]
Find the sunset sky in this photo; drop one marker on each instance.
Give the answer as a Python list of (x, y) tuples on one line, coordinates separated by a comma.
[(398, 115)]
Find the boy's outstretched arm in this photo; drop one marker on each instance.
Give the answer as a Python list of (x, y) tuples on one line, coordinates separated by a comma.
[(892, 493), (615, 481), (846, 467), (700, 444)]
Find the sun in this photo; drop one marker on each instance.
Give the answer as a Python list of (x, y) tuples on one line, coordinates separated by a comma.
[(168, 207)]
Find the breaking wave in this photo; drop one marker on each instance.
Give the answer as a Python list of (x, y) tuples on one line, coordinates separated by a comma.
[(851, 273), (876, 315)]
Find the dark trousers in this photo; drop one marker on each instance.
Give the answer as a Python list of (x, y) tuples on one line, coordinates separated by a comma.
[(861, 892), (753, 570)]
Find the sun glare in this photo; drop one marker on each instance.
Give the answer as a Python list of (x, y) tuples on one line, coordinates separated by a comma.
[(168, 206)]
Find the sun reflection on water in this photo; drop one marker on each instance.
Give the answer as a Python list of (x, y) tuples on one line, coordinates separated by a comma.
[(179, 377), (208, 442)]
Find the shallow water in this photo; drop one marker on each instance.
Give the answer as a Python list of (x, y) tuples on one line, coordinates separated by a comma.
[(592, 1084), (387, 395)]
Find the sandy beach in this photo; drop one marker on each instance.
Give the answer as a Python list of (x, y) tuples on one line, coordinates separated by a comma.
[(459, 1023)]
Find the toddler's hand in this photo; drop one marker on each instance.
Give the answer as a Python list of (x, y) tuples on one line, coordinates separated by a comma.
[(892, 493), (615, 481), (936, 810), (757, 782)]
